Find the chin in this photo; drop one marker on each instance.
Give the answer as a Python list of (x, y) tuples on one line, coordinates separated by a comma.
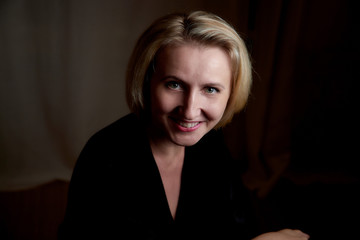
[(186, 140)]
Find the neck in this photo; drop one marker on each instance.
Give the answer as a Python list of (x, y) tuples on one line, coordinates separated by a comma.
[(167, 153), (169, 159)]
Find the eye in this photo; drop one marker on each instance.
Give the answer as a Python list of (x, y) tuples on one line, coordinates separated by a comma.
[(211, 90), (173, 85)]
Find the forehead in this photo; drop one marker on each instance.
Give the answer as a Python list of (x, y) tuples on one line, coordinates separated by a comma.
[(194, 60), (176, 47)]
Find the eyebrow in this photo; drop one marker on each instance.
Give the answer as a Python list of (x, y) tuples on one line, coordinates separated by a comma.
[(209, 84)]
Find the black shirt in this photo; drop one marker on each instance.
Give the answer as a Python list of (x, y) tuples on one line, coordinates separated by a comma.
[(116, 191)]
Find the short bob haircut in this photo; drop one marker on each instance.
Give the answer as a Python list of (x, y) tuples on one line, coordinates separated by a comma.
[(175, 29)]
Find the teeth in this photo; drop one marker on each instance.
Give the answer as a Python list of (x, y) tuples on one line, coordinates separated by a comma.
[(188, 125)]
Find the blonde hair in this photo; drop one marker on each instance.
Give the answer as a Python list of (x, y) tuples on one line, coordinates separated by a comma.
[(202, 28)]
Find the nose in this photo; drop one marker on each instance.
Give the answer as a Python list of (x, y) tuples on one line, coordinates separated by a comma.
[(191, 107)]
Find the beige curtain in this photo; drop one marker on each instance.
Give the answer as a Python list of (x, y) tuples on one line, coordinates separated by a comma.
[(62, 66)]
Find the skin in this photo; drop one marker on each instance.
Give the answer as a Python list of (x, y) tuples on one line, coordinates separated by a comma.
[(285, 234), (189, 93)]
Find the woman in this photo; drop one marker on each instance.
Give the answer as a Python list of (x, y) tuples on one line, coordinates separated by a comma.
[(162, 172)]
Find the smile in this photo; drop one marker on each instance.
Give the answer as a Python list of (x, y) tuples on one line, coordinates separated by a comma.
[(187, 126)]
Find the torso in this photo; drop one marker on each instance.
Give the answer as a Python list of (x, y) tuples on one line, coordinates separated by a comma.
[(128, 197)]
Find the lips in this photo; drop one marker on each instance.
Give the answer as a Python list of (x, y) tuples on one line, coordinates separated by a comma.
[(186, 126)]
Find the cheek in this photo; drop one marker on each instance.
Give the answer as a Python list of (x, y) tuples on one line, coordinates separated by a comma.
[(162, 102), (215, 110), (215, 113)]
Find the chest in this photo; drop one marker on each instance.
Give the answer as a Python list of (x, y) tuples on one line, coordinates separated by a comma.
[(171, 181), (146, 193)]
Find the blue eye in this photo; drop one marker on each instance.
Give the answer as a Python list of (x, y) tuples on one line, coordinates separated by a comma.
[(211, 90), (173, 85)]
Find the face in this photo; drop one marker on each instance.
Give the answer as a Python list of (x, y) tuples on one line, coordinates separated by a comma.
[(189, 92)]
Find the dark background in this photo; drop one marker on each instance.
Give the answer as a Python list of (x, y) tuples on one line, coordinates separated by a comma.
[(306, 151)]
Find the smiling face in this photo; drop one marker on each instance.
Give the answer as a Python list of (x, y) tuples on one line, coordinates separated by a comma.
[(190, 89)]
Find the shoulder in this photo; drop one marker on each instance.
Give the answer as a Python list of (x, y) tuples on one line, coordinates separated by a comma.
[(118, 139), (123, 126), (108, 149), (124, 130), (213, 142), (211, 152)]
